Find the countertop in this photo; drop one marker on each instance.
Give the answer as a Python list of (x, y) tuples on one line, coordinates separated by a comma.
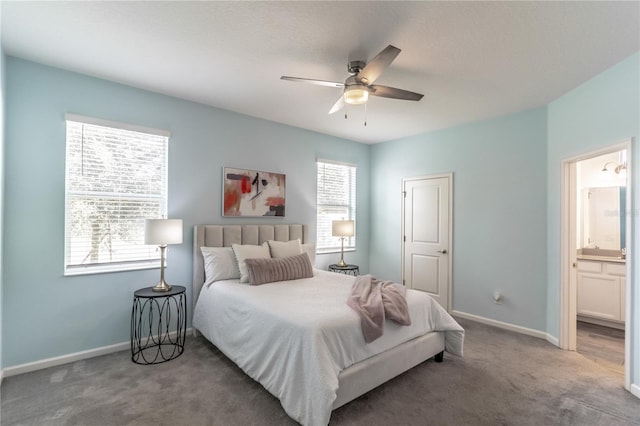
[(601, 258)]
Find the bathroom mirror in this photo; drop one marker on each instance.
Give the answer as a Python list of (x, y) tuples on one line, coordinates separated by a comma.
[(603, 218)]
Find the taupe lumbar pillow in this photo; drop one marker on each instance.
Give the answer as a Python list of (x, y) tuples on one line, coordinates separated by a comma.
[(262, 271)]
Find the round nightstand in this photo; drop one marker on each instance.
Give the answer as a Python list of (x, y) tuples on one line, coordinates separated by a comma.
[(158, 325), (347, 270)]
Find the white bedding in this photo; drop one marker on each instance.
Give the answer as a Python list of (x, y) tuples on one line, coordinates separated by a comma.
[(295, 337)]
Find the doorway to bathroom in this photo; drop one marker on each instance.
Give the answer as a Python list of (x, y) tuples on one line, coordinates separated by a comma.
[(595, 232)]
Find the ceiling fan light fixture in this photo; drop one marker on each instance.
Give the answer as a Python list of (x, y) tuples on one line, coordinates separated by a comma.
[(356, 95), (360, 84)]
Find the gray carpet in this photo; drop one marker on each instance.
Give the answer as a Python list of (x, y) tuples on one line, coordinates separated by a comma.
[(504, 379)]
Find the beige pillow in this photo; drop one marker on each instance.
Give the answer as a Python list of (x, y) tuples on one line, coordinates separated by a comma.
[(280, 249), (262, 271), (246, 251)]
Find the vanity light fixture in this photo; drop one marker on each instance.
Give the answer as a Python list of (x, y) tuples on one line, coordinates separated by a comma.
[(619, 167)]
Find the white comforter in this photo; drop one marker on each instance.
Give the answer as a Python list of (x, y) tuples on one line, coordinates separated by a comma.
[(295, 337)]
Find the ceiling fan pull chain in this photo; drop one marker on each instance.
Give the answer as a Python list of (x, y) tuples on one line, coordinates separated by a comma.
[(365, 114)]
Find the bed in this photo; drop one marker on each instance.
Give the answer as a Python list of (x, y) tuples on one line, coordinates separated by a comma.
[(299, 339)]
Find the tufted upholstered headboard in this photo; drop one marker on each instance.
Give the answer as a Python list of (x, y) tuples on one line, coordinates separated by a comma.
[(226, 235)]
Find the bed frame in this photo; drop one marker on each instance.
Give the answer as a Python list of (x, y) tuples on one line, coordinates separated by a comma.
[(355, 380)]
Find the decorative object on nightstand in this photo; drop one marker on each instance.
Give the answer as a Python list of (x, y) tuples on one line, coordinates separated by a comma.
[(343, 229), (158, 325), (162, 232), (346, 269)]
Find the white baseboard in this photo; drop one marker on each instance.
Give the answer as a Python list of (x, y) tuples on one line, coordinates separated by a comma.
[(611, 324), (64, 359), (73, 357), (635, 390), (553, 340), (504, 325)]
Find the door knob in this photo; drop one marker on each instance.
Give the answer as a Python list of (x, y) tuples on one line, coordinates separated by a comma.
[(443, 251)]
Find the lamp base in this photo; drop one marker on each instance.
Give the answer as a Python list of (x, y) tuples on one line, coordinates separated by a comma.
[(161, 286), (342, 263)]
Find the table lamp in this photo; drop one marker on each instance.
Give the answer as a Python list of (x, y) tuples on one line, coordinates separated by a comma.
[(342, 229), (162, 232)]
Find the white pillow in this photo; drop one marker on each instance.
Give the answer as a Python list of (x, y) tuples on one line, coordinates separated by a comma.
[(219, 264), (280, 249), (247, 251), (310, 249)]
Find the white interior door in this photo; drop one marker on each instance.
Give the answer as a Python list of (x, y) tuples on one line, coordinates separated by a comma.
[(426, 236)]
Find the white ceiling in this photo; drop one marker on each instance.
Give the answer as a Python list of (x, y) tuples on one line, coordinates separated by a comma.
[(472, 60)]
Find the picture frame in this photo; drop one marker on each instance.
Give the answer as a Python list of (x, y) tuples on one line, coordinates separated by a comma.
[(253, 193)]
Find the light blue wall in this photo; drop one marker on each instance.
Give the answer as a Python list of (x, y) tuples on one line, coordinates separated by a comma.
[(2, 110), (499, 211), (603, 111), (48, 315)]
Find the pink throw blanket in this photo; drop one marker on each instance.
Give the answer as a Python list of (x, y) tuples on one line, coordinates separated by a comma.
[(374, 301)]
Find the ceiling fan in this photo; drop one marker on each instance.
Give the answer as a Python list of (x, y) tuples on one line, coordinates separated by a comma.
[(359, 86)]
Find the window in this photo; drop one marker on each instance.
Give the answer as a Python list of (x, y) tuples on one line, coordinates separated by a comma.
[(116, 176), (336, 201)]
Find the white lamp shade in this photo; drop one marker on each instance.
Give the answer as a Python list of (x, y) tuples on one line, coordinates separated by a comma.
[(163, 231), (342, 228)]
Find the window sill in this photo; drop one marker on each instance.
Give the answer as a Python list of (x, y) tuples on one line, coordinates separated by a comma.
[(333, 251), (106, 269)]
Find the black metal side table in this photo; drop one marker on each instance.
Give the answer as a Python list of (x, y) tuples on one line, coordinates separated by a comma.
[(347, 270), (158, 325)]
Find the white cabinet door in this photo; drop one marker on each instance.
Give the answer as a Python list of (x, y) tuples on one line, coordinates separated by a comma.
[(599, 296)]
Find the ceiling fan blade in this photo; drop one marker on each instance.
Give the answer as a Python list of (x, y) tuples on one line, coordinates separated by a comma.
[(312, 81), (338, 105), (392, 92), (377, 65)]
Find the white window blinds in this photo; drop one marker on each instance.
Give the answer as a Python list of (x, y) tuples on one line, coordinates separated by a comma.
[(115, 178), (336, 201)]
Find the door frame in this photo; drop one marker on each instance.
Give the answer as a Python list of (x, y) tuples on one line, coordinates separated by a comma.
[(568, 255), (449, 177)]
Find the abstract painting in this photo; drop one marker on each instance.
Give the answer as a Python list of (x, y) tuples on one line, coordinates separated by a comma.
[(250, 193)]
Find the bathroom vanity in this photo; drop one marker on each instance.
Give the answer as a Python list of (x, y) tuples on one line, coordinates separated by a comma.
[(601, 265), (601, 291)]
